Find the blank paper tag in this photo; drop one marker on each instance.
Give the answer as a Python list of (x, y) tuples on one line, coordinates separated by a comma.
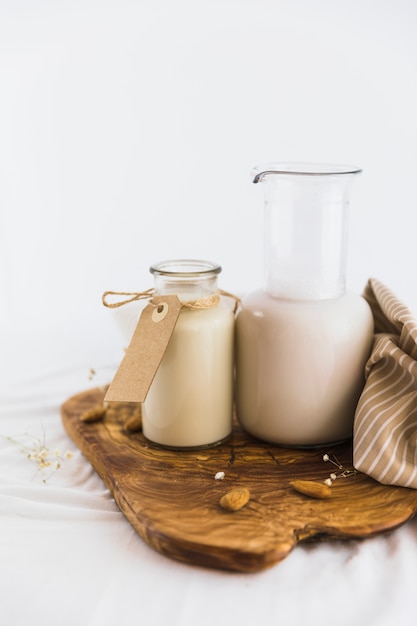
[(145, 351)]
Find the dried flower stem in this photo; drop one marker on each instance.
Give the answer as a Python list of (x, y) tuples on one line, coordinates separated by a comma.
[(343, 473), (35, 450)]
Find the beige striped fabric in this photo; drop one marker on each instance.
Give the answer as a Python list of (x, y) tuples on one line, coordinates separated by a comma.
[(385, 427)]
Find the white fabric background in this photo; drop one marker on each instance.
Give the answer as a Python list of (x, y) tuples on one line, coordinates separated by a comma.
[(128, 131)]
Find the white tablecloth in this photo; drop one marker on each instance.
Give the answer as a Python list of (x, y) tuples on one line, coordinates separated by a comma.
[(68, 556)]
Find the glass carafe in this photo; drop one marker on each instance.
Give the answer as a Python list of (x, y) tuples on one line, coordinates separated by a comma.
[(303, 340)]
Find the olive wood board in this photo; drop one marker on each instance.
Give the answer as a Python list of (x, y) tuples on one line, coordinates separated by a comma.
[(171, 498)]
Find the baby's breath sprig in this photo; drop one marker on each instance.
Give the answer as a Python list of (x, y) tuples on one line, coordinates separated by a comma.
[(343, 472), (35, 450)]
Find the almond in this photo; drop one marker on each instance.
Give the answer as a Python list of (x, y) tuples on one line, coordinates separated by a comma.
[(134, 422), (94, 415), (311, 488), (235, 499)]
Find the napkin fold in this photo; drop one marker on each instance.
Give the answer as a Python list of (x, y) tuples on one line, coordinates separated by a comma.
[(385, 424)]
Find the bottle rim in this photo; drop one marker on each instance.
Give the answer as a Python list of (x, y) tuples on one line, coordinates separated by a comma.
[(185, 268), (303, 169)]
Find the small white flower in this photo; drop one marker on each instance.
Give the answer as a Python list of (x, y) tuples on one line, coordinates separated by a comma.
[(328, 482), (219, 476), (344, 472)]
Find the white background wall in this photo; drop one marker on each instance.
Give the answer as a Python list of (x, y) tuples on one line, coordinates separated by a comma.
[(129, 128)]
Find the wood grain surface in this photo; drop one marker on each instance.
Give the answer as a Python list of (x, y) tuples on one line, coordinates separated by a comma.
[(171, 498)]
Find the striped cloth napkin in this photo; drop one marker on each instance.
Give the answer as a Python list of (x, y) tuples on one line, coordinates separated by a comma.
[(385, 426)]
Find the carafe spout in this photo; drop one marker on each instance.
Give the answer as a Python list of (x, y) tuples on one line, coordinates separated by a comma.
[(258, 173)]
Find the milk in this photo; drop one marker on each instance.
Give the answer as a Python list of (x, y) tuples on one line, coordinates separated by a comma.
[(300, 367), (190, 401)]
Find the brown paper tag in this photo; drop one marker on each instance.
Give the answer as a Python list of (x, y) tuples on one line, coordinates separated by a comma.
[(144, 354)]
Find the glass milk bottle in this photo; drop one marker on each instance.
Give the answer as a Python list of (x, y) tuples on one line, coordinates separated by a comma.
[(190, 401), (303, 340)]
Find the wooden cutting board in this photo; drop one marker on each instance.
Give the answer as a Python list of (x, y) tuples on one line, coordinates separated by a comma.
[(171, 498)]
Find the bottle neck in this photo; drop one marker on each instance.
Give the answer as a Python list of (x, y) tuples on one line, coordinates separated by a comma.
[(189, 280), (305, 237)]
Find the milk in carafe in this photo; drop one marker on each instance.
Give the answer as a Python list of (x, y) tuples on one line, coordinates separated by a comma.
[(302, 342)]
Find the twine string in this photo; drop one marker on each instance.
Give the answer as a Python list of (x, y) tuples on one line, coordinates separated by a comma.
[(193, 305), (133, 296)]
